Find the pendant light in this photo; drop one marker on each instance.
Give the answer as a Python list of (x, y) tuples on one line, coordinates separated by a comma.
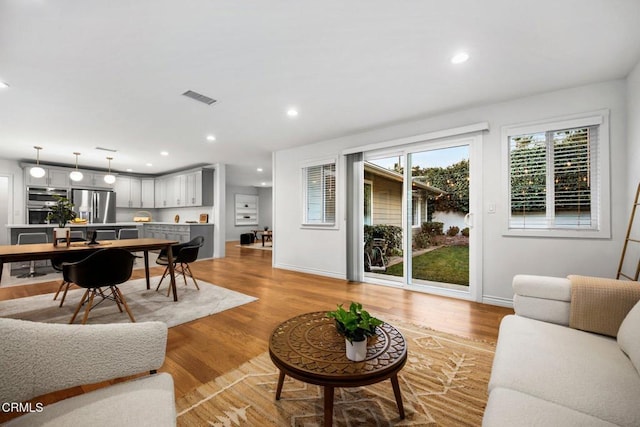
[(109, 179), (37, 171), (76, 175)]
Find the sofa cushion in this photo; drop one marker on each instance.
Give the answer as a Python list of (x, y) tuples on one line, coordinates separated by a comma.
[(147, 401), (555, 288), (629, 336), (508, 408), (585, 372), (547, 310)]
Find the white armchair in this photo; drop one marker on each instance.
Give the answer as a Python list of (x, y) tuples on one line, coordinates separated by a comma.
[(39, 358)]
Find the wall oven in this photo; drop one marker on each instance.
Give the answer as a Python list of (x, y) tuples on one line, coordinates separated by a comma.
[(39, 202), (37, 215)]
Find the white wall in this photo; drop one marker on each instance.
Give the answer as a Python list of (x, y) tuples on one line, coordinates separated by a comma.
[(12, 170), (633, 132), (265, 210), (323, 251)]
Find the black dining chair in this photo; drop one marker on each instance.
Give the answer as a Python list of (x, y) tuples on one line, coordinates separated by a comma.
[(183, 254), (59, 260), (105, 268)]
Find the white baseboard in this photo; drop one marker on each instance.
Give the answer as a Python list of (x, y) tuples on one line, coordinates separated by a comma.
[(502, 302), (318, 272)]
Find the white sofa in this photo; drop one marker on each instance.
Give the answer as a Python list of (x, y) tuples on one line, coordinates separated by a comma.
[(39, 358), (546, 373)]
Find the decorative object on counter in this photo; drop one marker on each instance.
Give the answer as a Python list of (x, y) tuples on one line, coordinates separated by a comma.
[(204, 218), (36, 171), (356, 325), (76, 175), (176, 219), (142, 216), (108, 178), (61, 212), (61, 235)]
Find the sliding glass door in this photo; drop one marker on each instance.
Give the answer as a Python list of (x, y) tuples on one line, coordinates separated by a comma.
[(418, 220)]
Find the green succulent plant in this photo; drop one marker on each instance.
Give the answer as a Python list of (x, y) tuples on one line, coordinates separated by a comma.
[(355, 324)]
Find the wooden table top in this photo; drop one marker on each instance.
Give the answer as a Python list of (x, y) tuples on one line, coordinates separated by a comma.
[(309, 347), (11, 253)]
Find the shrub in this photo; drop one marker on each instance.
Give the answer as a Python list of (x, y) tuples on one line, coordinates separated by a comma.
[(392, 235), (453, 231), (465, 232), (432, 228), (421, 240)]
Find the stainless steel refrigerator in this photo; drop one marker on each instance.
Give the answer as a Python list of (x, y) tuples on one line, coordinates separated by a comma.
[(96, 206)]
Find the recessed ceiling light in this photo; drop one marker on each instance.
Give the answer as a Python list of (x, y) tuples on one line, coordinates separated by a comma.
[(292, 112), (459, 58), (164, 153), (264, 183), (129, 170), (211, 138), (149, 164), (259, 169), (3, 85)]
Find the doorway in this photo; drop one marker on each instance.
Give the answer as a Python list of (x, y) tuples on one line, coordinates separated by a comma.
[(419, 227)]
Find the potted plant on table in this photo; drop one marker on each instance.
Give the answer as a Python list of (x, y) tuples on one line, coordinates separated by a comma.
[(356, 325), (61, 213)]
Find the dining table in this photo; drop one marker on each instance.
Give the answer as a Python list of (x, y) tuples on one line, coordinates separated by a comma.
[(43, 251)]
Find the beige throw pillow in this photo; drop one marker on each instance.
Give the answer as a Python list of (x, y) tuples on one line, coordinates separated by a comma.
[(629, 336)]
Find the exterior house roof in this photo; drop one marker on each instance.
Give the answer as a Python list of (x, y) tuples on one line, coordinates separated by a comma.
[(395, 176)]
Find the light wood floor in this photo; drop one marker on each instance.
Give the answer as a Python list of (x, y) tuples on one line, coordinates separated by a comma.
[(204, 349)]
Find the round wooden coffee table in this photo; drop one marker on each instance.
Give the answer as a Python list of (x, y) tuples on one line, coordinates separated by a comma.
[(309, 348)]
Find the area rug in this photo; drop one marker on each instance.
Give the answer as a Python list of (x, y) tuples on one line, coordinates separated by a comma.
[(444, 383), (267, 247), (146, 305)]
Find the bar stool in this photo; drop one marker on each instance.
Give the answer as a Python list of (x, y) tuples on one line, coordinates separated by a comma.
[(128, 233), (29, 238), (105, 235)]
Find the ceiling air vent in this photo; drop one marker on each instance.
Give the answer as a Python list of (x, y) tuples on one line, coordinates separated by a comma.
[(111, 150), (199, 97)]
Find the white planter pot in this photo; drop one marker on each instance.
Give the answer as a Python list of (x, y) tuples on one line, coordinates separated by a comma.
[(61, 236), (356, 351)]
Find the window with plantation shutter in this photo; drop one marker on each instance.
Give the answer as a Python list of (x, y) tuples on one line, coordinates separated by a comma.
[(320, 194), (555, 172)]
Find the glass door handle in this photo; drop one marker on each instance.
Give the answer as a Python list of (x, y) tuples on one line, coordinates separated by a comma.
[(468, 220)]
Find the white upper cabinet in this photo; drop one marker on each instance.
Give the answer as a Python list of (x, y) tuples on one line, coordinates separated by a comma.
[(194, 188), (147, 196), (53, 177), (129, 192)]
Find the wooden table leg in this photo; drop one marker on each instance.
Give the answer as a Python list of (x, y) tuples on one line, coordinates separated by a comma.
[(396, 392), (1, 267), (328, 406), (146, 267), (172, 274), (280, 382)]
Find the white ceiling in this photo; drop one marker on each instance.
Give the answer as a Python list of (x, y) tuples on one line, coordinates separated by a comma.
[(110, 73)]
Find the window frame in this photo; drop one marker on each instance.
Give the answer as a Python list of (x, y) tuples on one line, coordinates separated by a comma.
[(305, 223), (601, 171)]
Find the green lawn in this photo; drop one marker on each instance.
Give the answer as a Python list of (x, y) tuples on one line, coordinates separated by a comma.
[(449, 264)]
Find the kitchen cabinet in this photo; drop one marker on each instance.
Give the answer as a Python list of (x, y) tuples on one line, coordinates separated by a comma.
[(91, 179), (134, 192), (193, 188), (183, 233), (128, 192), (53, 177), (147, 190)]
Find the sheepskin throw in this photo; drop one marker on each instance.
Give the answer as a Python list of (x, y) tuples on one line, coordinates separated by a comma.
[(600, 305)]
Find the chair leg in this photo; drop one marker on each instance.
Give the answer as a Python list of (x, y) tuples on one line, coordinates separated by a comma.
[(186, 267), (59, 289), (166, 271), (118, 292), (116, 298), (89, 305), (64, 294), (75, 313)]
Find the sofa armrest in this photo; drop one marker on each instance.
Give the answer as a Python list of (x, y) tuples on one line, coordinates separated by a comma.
[(38, 358), (542, 298)]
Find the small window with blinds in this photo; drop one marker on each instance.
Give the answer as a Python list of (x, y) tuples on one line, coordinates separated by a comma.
[(555, 172), (320, 194)]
